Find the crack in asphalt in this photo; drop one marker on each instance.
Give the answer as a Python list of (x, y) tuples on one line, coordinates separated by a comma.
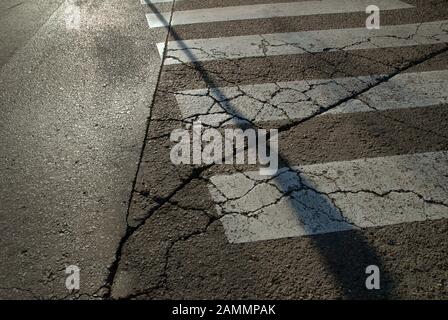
[(130, 230), (355, 95), (405, 123), (352, 93), (280, 88), (164, 274), (302, 185), (291, 192), (36, 297), (15, 5), (197, 172)]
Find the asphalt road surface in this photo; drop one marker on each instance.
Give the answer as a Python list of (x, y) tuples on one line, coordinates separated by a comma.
[(91, 92)]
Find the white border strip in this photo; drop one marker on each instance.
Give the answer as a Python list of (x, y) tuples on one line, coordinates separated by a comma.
[(270, 10), (305, 42), (156, 1)]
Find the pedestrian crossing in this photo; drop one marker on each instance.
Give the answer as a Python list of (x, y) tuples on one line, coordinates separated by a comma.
[(324, 197), (270, 10)]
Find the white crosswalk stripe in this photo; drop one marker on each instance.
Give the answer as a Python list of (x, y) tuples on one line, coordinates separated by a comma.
[(332, 197), (299, 99), (304, 42), (156, 1), (271, 10)]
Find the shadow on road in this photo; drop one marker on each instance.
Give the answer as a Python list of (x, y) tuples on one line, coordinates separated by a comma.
[(346, 254)]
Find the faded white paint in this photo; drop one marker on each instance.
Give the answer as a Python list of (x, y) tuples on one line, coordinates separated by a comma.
[(295, 100), (405, 90), (305, 42), (156, 1), (330, 197), (270, 10)]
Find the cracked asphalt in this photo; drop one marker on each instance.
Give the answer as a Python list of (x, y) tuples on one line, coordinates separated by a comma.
[(87, 177)]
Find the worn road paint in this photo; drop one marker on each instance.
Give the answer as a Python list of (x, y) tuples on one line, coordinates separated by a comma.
[(330, 197), (296, 100), (270, 10), (157, 1), (305, 42)]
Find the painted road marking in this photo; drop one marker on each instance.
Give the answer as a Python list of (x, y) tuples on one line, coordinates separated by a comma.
[(271, 10), (156, 1), (331, 197), (295, 100), (406, 90), (305, 42)]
